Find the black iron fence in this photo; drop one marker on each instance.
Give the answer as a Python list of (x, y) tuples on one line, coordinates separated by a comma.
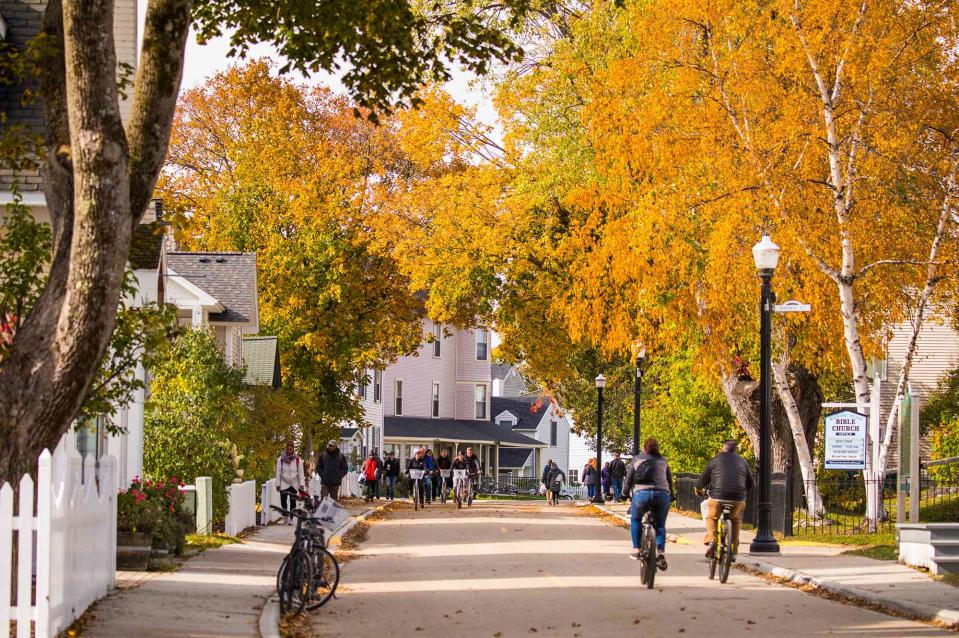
[(844, 507)]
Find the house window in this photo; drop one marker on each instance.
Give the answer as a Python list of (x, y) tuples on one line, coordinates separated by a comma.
[(363, 386), (398, 398), (437, 340), (436, 400), (480, 410), (481, 345), (552, 434), (574, 476), (377, 386)]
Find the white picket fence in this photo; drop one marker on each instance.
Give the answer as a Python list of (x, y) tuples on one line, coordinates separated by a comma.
[(63, 552), (242, 502), (269, 496), (350, 487)]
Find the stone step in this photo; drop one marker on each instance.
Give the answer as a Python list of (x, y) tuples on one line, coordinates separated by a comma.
[(946, 564), (945, 548)]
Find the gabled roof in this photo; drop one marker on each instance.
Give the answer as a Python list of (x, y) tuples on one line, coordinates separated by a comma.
[(528, 410), (347, 433), (230, 278), (500, 370), (457, 430), (146, 247), (262, 358), (513, 457)]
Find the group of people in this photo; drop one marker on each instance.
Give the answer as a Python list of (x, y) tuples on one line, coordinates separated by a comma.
[(608, 481), (331, 468), (433, 482)]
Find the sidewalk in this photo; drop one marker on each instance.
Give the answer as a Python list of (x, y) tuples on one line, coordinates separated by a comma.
[(886, 584)]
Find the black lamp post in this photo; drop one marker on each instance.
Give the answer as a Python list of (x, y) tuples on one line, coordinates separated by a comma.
[(598, 496), (637, 393), (766, 256)]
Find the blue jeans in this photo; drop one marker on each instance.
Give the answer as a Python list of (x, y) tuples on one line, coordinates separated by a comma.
[(428, 486), (617, 489), (390, 486), (591, 491), (658, 502)]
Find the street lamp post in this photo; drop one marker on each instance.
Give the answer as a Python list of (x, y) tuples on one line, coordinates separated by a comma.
[(600, 384), (637, 393), (766, 256)]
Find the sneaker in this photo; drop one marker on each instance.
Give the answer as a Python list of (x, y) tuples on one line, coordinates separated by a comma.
[(711, 550), (661, 562), (634, 554), (732, 557)]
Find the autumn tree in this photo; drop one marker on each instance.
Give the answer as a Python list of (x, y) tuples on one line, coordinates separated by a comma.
[(99, 169), (259, 163)]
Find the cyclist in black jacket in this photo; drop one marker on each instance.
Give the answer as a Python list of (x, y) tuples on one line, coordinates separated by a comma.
[(728, 479)]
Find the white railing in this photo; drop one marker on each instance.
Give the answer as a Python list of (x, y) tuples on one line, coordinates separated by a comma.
[(74, 556), (269, 496), (350, 487), (242, 503)]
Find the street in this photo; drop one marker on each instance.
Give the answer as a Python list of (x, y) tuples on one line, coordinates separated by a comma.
[(517, 569)]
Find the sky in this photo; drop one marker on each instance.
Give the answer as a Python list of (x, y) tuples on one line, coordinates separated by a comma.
[(204, 61)]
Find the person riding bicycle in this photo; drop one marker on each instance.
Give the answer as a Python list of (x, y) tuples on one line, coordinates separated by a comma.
[(443, 463), (728, 479), (473, 465), (418, 462), (652, 479), (460, 463)]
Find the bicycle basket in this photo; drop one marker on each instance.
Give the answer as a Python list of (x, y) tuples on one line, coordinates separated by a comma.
[(459, 475), (417, 474), (330, 514), (445, 473)]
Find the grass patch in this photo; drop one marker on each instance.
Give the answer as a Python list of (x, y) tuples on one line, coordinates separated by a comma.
[(510, 497), (876, 552), (862, 540), (201, 542)]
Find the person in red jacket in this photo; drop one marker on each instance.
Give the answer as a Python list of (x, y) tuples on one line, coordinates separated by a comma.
[(371, 472)]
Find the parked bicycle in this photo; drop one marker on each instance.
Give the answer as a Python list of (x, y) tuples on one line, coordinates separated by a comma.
[(723, 554), (309, 574), (647, 552)]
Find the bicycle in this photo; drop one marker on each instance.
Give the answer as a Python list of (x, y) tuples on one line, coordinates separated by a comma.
[(460, 487), (312, 582), (647, 551), (416, 476), (723, 553), (444, 476)]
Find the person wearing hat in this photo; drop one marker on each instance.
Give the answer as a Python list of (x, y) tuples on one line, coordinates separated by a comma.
[(331, 468)]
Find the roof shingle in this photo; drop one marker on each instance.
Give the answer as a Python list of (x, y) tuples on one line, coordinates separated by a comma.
[(228, 277)]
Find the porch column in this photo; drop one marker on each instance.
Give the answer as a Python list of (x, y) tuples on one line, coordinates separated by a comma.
[(496, 461), (537, 461)]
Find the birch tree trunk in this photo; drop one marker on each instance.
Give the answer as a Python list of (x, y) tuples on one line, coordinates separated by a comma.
[(800, 443)]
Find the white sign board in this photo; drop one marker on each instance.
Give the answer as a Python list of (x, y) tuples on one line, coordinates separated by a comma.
[(846, 440)]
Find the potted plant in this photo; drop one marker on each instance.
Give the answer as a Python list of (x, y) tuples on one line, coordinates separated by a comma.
[(136, 519)]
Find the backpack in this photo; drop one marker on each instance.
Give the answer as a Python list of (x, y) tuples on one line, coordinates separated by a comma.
[(645, 474)]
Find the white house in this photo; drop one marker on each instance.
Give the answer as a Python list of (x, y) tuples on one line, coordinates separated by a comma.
[(439, 397)]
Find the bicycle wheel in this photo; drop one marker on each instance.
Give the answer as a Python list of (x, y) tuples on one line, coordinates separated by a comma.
[(469, 496), (726, 557), (296, 582), (443, 490), (326, 576), (416, 495), (649, 552)]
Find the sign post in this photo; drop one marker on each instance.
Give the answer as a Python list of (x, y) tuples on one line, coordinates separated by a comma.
[(846, 440)]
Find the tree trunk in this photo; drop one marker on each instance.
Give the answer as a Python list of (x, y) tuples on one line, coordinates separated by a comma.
[(742, 394), (96, 187), (797, 427)]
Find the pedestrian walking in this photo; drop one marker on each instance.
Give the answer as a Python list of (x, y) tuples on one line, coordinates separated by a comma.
[(607, 486), (427, 478), (544, 480), (591, 478), (289, 479), (555, 479), (371, 472), (391, 472), (617, 473), (331, 468)]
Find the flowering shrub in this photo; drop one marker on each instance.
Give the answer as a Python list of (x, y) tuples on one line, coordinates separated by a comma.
[(156, 507)]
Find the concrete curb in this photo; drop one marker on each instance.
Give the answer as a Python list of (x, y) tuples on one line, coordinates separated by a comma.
[(670, 538), (928, 613), (269, 623)]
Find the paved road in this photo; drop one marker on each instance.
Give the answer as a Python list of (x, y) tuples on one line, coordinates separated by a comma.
[(506, 569)]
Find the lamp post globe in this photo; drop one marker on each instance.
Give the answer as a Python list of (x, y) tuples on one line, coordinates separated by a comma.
[(766, 256), (598, 493)]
